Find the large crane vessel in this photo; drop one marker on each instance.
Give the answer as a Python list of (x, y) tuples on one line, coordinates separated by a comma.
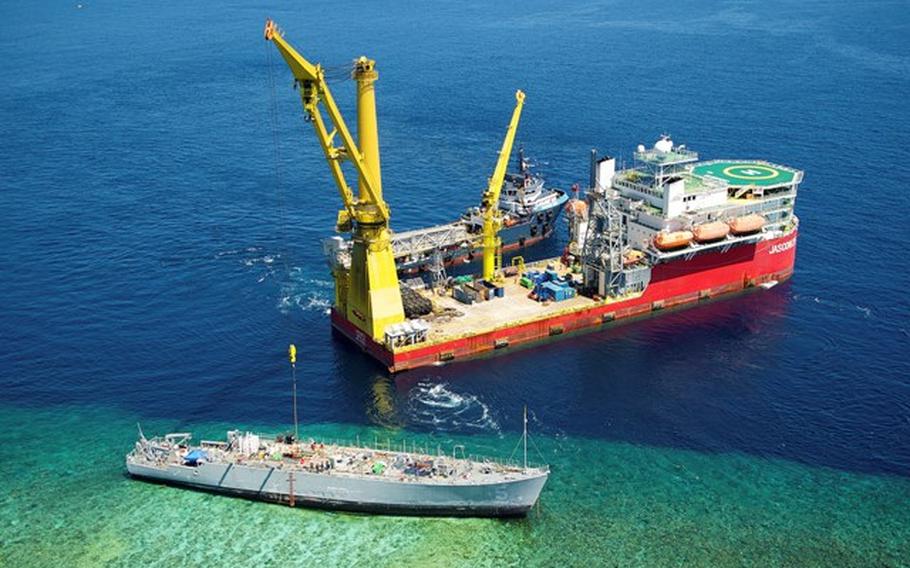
[(670, 230)]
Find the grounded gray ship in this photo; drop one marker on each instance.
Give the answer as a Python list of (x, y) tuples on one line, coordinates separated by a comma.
[(350, 478)]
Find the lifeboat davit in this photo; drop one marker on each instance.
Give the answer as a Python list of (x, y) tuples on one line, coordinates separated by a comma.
[(577, 208), (631, 257), (713, 231), (673, 240), (747, 224)]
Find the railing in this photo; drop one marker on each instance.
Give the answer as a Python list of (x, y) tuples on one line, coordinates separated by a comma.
[(658, 255), (622, 183), (675, 156), (404, 446), (429, 239)]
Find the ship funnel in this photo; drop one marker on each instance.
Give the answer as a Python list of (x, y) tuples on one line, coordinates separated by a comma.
[(606, 169), (592, 177)]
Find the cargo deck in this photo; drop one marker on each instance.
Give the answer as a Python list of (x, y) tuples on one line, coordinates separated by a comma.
[(515, 308)]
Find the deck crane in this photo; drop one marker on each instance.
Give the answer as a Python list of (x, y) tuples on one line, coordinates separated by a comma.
[(366, 294), (492, 216)]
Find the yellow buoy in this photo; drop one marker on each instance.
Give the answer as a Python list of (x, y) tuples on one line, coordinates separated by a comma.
[(292, 352)]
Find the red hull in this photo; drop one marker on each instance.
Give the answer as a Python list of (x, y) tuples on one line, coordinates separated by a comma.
[(672, 284)]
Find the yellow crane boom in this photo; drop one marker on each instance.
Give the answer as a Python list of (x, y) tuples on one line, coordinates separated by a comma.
[(492, 217), (310, 79), (367, 294)]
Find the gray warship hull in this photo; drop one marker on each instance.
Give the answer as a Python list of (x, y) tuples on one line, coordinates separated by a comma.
[(502, 499), (479, 490)]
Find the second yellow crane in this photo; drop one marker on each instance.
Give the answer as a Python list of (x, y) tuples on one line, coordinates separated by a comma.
[(492, 215)]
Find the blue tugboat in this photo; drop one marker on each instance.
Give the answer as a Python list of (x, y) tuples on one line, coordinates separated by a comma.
[(530, 211)]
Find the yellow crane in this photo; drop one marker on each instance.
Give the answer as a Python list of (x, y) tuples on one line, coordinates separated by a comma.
[(492, 216), (367, 294)]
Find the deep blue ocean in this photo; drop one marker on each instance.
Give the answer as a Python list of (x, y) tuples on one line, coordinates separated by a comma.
[(162, 204)]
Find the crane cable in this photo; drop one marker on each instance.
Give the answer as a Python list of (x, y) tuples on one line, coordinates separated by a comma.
[(335, 74), (276, 151)]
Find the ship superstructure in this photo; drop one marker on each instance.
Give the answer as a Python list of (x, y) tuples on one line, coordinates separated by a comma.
[(670, 206), (528, 207)]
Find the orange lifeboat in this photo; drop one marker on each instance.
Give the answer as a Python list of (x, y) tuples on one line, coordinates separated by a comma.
[(712, 231), (747, 224), (673, 240)]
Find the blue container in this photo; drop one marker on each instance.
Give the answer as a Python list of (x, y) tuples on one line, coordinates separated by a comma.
[(555, 291), (550, 291)]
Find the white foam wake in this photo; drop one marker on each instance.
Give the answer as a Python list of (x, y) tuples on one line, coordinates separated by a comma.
[(439, 405), (304, 293)]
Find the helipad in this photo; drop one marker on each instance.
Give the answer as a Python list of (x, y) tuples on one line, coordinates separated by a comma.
[(746, 173)]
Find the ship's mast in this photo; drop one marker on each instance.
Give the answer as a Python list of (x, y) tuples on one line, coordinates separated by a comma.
[(525, 437), (292, 355)]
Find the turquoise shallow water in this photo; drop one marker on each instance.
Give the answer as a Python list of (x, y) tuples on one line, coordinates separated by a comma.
[(606, 504), (159, 248)]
